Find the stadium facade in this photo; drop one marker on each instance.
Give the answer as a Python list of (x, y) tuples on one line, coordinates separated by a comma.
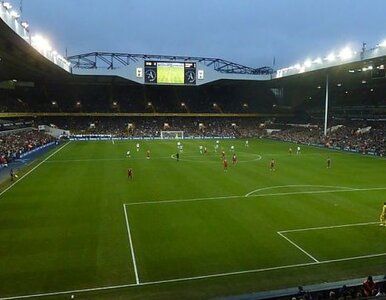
[(34, 73)]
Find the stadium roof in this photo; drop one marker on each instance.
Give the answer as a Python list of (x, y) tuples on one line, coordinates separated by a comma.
[(18, 60), (108, 60)]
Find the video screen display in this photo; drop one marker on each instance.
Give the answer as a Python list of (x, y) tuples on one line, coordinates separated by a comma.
[(170, 73), (157, 72)]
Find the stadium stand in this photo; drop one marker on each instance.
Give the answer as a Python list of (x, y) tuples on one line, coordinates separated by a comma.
[(13, 144), (354, 136), (288, 110), (342, 290), (365, 138)]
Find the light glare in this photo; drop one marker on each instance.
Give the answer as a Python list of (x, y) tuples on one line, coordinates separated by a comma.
[(7, 5), (308, 63), (25, 24), (317, 61), (40, 43), (331, 57), (15, 14), (346, 53)]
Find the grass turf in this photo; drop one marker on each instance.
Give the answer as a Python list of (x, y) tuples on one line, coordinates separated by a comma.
[(63, 227)]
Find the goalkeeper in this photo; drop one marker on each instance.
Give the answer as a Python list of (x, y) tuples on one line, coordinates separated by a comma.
[(382, 218)]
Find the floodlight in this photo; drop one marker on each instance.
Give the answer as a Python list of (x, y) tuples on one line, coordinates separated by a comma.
[(182, 103), (330, 57), (15, 14), (364, 81), (7, 5), (41, 43), (339, 84), (346, 53), (308, 63), (149, 104), (25, 24), (369, 67), (317, 61)]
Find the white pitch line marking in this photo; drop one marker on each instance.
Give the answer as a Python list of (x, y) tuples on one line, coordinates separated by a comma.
[(193, 277), (131, 246), (327, 227), (182, 200), (296, 185), (298, 247), (255, 196), (34, 168), (173, 156), (102, 159)]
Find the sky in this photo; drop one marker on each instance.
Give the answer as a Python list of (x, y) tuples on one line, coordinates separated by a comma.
[(249, 32)]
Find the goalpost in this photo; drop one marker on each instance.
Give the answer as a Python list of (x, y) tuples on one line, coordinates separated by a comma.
[(172, 135)]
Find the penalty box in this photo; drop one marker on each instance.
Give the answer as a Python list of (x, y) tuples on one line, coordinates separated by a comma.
[(338, 242), (210, 236)]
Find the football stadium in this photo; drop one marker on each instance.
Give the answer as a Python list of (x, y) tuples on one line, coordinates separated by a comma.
[(145, 176)]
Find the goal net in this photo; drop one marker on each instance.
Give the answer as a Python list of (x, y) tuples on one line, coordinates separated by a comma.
[(172, 135)]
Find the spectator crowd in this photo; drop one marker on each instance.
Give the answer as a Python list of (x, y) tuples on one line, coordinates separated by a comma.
[(354, 137), (369, 289), (14, 144)]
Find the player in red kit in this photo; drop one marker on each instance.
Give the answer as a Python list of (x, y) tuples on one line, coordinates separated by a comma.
[(234, 159), (129, 173), (225, 165)]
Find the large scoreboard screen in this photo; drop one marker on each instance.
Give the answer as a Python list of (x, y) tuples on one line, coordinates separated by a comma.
[(160, 72)]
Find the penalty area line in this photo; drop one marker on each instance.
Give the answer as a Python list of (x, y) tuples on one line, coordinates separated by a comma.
[(298, 247), (113, 287), (34, 168), (297, 185), (256, 196), (131, 246), (327, 227)]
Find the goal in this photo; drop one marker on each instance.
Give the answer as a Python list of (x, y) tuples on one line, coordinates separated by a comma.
[(172, 135)]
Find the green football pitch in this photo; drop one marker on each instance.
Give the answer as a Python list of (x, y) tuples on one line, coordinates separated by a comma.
[(73, 223)]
